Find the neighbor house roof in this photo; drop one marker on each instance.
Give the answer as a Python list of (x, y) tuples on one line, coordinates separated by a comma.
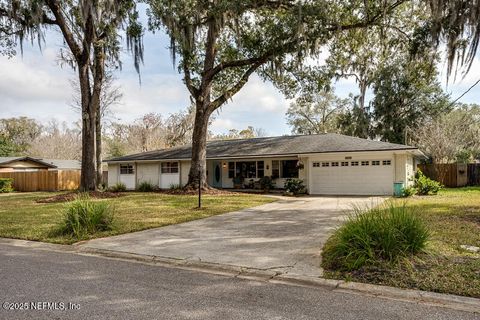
[(270, 146), (50, 163)]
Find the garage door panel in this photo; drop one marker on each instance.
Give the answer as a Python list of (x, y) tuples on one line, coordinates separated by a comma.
[(351, 180)]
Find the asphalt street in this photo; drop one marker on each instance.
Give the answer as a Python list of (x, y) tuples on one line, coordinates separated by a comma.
[(90, 287)]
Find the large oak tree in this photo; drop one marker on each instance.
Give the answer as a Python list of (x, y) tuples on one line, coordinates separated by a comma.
[(90, 30), (222, 43)]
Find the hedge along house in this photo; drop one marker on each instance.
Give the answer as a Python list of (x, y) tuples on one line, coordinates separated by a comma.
[(328, 164)]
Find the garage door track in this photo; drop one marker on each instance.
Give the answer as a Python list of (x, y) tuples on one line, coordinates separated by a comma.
[(284, 236)]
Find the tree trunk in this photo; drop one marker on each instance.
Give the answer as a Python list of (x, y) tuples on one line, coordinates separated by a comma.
[(98, 150), (199, 149), (98, 85), (88, 179)]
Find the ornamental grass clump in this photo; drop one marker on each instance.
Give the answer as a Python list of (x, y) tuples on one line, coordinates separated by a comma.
[(83, 216), (378, 235)]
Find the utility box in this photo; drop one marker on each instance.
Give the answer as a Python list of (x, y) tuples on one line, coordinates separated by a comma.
[(398, 189)]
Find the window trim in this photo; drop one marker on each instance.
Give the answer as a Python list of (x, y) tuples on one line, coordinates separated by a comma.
[(169, 167), (130, 168)]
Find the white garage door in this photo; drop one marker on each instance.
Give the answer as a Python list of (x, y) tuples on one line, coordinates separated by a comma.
[(169, 175), (358, 177)]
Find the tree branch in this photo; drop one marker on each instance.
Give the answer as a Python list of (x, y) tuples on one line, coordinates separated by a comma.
[(67, 33), (369, 22), (233, 90), (188, 80)]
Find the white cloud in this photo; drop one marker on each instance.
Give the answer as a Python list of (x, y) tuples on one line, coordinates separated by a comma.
[(221, 125)]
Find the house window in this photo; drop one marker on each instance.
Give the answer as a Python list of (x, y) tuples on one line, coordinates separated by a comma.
[(375, 163), (325, 164), (365, 163), (344, 163), (316, 164), (387, 162), (126, 169), (289, 169), (231, 169), (275, 169), (246, 169), (260, 169), (335, 164), (169, 167), (354, 163)]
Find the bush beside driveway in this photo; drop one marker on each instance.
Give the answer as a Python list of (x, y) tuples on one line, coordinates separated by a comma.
[(22, 217), (453, 218)]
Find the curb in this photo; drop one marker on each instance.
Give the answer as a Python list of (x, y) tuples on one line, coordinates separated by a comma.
[(409, 295)]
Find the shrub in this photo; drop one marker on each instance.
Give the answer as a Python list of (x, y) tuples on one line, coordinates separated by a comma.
[(266, 183), (146, 186), (409, 191), (381, 234), (118, 187), (294, 186), (6, 185), (426, 186), (175, 186), (83, 216)]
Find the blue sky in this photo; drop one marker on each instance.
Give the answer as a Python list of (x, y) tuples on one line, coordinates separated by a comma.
[(35, 85)]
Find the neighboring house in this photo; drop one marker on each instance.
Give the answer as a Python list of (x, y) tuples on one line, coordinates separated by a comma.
[(16, 164), (331, 164)]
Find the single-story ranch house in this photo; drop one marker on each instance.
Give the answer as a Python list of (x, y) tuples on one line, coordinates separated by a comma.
[(328, 164), (30, 164)]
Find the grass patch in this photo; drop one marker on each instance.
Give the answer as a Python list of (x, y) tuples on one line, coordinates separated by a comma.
[(453, 219), (21, 217)]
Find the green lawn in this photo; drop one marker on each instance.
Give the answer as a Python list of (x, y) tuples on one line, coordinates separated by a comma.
[(22, 218), (453, 217)]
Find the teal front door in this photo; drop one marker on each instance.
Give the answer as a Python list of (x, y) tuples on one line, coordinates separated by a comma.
[(217, 174)]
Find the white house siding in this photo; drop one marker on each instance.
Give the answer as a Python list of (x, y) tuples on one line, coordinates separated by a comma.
[(184, 170), (410, 170), (303, 173), (113, 171), (148, 172), (400, 168), (351, 180)]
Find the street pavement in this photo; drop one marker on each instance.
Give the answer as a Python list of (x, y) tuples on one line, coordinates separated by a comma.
[(101, 288)]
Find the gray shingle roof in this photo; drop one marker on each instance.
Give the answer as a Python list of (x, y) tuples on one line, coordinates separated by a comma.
[(271, 146)]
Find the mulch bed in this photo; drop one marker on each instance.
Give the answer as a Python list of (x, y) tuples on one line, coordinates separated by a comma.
[(210, 191), (72, 195)]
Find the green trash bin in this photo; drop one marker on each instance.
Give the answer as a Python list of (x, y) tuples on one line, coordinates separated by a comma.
[(398, 189)]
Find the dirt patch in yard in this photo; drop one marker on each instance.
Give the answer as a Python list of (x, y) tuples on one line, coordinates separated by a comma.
[(209, 191), (72, 195)]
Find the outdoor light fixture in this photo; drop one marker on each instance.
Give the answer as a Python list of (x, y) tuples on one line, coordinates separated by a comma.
[(224, 165)]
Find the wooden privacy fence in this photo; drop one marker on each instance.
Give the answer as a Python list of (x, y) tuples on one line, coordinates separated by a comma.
[(44, 180), (473, 173), (453, 174)]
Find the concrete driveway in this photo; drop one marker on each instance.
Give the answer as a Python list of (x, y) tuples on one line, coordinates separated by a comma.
[(285, 236)]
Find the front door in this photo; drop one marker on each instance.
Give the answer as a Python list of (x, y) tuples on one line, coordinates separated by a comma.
[(217, 174)]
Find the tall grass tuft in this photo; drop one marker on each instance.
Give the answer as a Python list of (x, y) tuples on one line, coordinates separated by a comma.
[(84, 216), (381, 234), (146, 186)]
